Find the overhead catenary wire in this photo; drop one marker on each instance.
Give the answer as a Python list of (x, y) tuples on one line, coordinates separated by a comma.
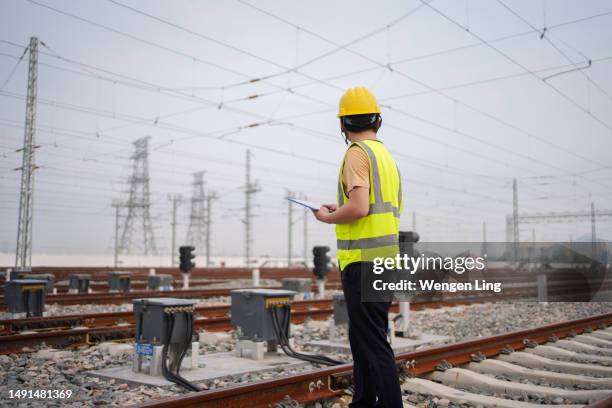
[(145, 120), (239, 50), (522, 66), (164, 21), (505, 123), (333, 164), (560, 51)]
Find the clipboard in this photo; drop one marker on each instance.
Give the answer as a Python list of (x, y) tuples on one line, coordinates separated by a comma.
[(308, 204)]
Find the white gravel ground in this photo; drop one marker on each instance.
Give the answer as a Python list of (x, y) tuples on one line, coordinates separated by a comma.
[(30, 371)]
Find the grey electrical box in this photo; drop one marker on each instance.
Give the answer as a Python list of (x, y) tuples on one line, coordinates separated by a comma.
[(340, 311), (162, 282), (251, 311), (47, 277), (80, 282), (25, 296), (299, 285), (119, 281), (153, 319)]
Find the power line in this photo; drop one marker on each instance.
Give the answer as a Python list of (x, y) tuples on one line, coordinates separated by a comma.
[(308, 158), (319, 81), (546, 37), (520, 65), (338, 47), (12, 72), (367, 58), (144, 121)]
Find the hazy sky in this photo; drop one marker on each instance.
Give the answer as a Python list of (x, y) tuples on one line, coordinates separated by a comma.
[(463, 118)]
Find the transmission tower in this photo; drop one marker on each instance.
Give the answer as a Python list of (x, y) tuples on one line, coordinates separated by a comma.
[(197, 218), (250, 188), (138, 217), (23, 253)]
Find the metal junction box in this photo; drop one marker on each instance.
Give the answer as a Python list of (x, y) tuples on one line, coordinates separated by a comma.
[(47, 277), (119, 281), (340, 311), (152, 319), (80, 282), (251, 312), (25, 296), (160, 282), (299, 285)]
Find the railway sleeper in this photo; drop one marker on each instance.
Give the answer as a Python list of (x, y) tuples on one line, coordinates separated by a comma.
[(422, 386), (463, 378), (578, 347), (557, 353), (538, 362), (602, 334), (497, 367), (593, 341)]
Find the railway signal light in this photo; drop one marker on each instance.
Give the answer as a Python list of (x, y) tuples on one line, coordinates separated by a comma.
[(186, 257), (321, 261)]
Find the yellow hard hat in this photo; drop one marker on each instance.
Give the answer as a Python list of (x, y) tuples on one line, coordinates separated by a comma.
[(357, 101)]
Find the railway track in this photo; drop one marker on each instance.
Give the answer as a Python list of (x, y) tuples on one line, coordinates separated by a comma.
[(513, 288), (563, 354), (84, 329), (17, 335)]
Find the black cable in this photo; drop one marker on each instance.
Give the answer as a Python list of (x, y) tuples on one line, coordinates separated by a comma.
[(188, 335), (169, 375), (286, 347), (189, 329)]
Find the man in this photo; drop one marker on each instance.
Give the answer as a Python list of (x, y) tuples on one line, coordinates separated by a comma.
[(367, 227)]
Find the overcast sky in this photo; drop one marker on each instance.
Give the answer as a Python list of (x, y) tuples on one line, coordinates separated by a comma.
[(472, 97)]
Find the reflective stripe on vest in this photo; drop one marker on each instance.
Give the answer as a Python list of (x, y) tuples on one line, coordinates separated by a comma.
[(375, 235)]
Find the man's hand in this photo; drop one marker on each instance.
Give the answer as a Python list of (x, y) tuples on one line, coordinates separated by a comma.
[(323, 213), (331, 207), (357, 206)]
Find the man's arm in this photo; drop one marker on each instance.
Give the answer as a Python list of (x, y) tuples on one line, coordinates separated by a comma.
[(357, 206)]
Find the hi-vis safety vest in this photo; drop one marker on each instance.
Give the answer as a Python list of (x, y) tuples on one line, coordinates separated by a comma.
[(375, 235)]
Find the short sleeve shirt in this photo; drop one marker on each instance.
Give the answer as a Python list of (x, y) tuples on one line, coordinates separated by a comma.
[(356, 172)]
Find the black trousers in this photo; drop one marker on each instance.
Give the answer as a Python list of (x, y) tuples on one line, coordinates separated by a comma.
[(375, 374)]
